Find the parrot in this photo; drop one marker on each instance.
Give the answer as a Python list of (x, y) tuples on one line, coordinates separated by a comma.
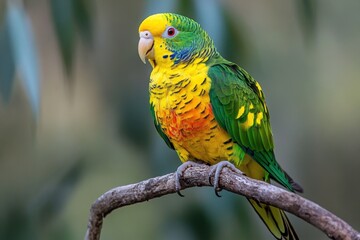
[(210, 110)]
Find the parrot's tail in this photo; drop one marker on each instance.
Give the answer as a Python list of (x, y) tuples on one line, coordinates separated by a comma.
[(275, 220)]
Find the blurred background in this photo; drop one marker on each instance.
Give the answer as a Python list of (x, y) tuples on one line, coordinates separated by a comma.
[(75, 121)]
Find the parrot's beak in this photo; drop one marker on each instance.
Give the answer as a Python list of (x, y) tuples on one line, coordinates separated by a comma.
[(146, 45)]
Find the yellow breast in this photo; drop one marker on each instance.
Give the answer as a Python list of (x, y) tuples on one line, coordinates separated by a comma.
[(182, 107)]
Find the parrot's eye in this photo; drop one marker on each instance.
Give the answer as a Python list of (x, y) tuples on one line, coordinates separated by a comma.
[(170, 32)]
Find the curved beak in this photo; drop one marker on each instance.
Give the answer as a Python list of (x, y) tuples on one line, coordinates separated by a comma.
[(146, 45)]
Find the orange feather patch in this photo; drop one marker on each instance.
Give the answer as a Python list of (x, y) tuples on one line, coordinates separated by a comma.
[(187, 125)]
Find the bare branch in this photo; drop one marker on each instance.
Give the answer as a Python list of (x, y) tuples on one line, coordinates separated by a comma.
[(319, 217)]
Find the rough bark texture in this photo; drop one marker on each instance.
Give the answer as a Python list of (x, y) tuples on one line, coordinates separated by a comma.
[(331, 225)]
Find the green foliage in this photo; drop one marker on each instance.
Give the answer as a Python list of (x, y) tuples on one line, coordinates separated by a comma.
[(70, 17), (63, 19), (83, 14)]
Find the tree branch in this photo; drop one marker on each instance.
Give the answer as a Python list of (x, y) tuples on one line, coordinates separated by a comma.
[(331, 225)]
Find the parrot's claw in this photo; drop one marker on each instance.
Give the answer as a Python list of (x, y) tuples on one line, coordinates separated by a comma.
[(216, 171), (180, 172)]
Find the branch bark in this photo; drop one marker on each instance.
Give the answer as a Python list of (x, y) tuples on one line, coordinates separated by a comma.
[(331, 225)]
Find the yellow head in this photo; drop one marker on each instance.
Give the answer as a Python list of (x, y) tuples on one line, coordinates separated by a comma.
[(167, 38)]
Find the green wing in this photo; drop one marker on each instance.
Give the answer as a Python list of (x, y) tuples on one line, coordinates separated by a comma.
[(159, 130), (239, 106)]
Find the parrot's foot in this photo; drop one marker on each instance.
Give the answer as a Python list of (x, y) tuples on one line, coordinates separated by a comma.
[(180, 172), (216, 171)]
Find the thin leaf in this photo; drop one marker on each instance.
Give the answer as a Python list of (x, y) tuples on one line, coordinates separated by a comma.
[(63, 18), (24, 49), (83, 15), (7, 65), (307, 15)]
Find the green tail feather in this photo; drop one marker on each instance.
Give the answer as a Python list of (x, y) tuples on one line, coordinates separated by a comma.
[(275, 220), (268, 162)]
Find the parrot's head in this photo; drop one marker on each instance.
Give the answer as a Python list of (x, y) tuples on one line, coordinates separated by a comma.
[(170, 39)]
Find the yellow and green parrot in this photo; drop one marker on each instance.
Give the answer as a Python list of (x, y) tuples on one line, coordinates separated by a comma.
[(209, 109)]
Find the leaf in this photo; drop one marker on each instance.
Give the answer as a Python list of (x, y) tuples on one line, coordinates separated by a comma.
[(7, 65), (63, 19), (83, 10), (25, 54), (307, 15)]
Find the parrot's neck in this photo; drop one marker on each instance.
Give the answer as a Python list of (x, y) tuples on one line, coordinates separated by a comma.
[(168, 81)]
